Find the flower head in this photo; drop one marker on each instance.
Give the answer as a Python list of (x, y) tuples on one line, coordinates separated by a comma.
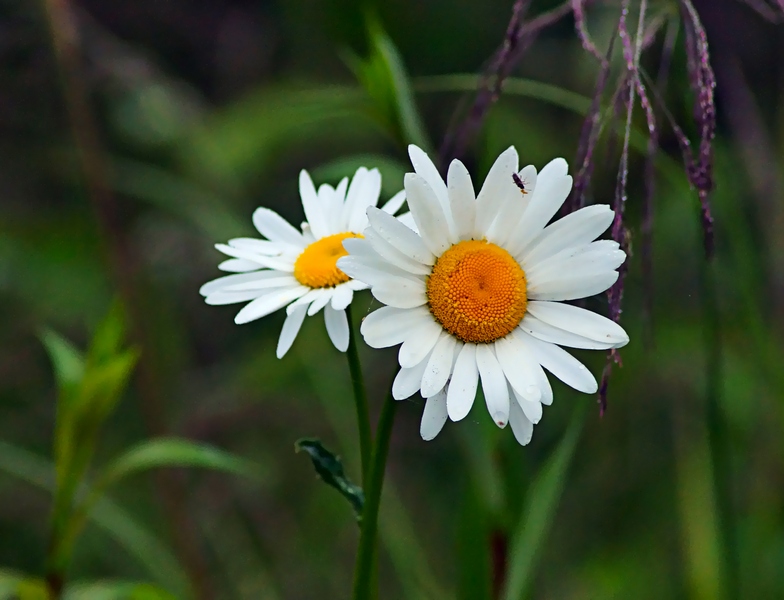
[(299, 268), (476, 292)]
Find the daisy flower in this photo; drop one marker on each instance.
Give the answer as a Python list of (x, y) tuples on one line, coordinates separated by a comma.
[(477, 292), (297, 268)]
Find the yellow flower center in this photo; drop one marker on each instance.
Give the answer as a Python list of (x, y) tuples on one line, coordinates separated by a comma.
[(477, 291), (317, 266)]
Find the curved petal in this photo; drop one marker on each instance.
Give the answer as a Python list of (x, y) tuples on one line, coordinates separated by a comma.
[(290, 330), (389, 326), (495, 189), (439, 367), (400, 293), (269, 303), (575, 229), (342, 297), (462, 199), (314, 210), (518, 366), (408, 380), (522, 427), (372, 271), (419, 344), (462, 388), (371, 188), (433, 417), (532, 410), (580, 322), (425, 168), (547, 333), (394, 203), (494, 384), (337, 327), (572, 288), (429, 216), (275, 228), (401, 237), (560, 363), (227, 281), (320, 301), (238, 265)]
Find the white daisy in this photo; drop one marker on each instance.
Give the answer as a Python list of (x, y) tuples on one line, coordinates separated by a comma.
[(298, 268), (477, 293)]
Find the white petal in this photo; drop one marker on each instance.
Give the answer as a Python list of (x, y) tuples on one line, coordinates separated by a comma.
[(495, 189), (279, 263), (392, 254), (419, 344), (433, 417), (439, 367), (290, 330), (371, 188), (547, 333), (603, 255), (220, 297), (462, 388), (274, 227), (373, 271), (305, 300), (519, 367), (238, 265), (573, 287), (320, 301), (400, 293), (389, 326), (429, 216), (576, 229), (337, 327), (230, 280), (263, 283), (560, 363), (354, 194), (407, 381), (532, 410), (269, 303), (579, 321), (399, 236), (258, 246), (522, 427), (493, 384), (342, 297), (425, 168), (314, 210), (462, 199), (394, 203)]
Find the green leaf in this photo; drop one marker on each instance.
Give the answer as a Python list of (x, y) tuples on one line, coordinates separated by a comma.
[(541, 504), (176, 452), (66, 359), (116, 590), (128, 533), (330, 469), (384, 77), (238, 142), (108, 336)]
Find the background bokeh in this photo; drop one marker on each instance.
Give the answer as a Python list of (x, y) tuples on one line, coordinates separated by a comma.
[(205, 110)]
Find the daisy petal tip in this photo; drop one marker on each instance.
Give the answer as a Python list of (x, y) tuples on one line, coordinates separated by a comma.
[(501, 419)]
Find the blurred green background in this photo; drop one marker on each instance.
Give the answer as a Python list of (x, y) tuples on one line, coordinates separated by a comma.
[(205, 110)]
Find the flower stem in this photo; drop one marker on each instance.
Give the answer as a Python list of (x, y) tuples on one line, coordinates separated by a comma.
[(360, 399), (366, 553)]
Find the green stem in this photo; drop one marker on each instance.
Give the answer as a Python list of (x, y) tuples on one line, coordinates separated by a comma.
[(718, 436), (360, 399), (364, 570)]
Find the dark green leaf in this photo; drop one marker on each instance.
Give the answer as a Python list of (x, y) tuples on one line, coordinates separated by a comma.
[(109, 516), (330, 469), (175, 452), (386, 81)]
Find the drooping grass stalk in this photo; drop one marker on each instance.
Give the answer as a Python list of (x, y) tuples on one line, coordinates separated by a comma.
[(366, 553), (360, 399)]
